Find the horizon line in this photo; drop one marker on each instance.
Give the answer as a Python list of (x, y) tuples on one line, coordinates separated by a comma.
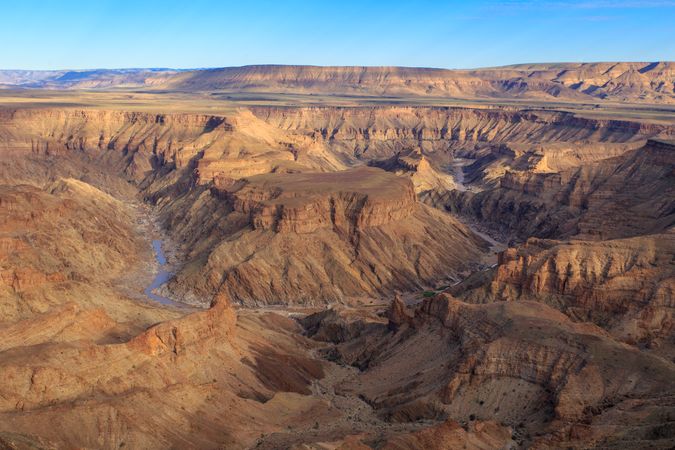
[(188, 69)]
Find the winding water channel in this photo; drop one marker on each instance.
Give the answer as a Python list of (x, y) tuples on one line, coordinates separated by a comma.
[(161, 278), (164, 272)]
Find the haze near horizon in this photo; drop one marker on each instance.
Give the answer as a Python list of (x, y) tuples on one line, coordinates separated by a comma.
[(451, 35)]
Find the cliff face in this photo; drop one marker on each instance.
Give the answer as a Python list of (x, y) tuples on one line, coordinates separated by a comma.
[(626, 81), (347, 202), (317, 238), (623, 285), (413, 164), (424, 124), (624, 196), (143, 141), (267, 140), (522, 364), (617, 81), (614, 270)]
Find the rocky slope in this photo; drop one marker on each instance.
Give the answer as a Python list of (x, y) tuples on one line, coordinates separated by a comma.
[(627, 195), (566, 342), (318, 237), (165, 387), (522, 364), (624, 285), (66, 244)]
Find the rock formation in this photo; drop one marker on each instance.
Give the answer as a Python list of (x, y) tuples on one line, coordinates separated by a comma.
[(624, 285), (450, 435), (623, 81), (337, 309), (347, 202), (68, 243), (623, 196), (523, 364), (321, 237)]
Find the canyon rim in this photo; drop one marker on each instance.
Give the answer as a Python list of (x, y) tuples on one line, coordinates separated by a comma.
[(281, 256)]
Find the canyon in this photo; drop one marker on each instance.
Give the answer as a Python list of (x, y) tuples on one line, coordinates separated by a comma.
[(338, 276)]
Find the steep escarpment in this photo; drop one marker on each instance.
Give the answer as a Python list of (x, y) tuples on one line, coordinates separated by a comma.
[(347, 201), (317, 238), (430, 127), (193, 166), (610, 224), (424, 143), (267, 139), (565, 342), (581, 81), (623, 285), (624, 196), (623, 81), (135, 143)]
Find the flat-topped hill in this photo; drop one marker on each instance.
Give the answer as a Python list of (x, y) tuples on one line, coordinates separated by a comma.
[(650, 82), (304, 202), (634, 82)]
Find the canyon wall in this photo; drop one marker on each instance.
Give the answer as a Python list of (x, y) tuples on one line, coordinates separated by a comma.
[(267, 176), (567, 341), (634, 82), (290, 139), (622, 196), (316, 237), (591, 82), (624, 285), (523, 364)]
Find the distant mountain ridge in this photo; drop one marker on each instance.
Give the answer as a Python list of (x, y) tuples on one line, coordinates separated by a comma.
[(652, 82), (82, 79)]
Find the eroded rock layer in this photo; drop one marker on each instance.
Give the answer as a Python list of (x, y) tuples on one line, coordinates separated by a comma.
[(320, 237), (625, 81), (623, 285), (347, 201), (616, 81), (522, 364), (622, 196), (567, 341)]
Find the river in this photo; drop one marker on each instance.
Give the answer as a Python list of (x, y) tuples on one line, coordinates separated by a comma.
[(161, 278)]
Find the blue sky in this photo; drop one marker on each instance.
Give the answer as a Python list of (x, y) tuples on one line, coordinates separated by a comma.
[(452, 34)]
